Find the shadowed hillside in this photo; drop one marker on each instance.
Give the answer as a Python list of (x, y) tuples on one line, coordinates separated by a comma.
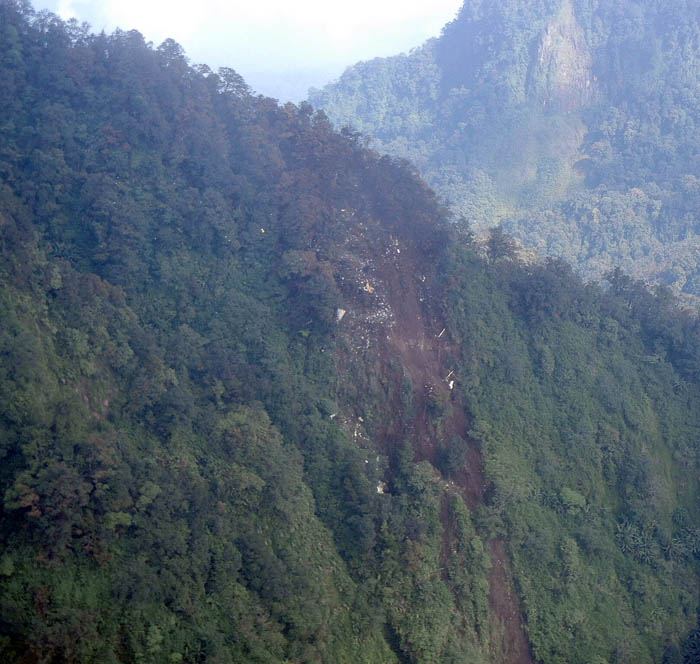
[(261, 402)]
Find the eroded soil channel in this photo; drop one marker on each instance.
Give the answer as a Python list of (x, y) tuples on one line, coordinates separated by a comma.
[(393, 322)]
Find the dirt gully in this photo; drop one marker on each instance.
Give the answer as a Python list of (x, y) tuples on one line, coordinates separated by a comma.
[(392, 321)]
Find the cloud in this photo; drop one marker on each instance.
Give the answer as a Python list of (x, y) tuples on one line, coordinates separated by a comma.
[(272, 36)]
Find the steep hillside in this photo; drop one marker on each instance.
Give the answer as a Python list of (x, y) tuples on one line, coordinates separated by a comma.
[(571, 123), (260, 402)]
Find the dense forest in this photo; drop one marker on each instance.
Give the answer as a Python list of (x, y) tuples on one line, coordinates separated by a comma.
[(261, 401), (572, 123)]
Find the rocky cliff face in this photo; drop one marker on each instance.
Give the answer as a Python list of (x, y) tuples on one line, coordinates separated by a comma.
[(561, 77)]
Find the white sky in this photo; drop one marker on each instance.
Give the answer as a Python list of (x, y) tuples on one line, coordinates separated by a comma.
[(280, 47)]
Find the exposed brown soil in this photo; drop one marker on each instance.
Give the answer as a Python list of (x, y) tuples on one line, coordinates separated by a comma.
[(395, 325), (504, 607)]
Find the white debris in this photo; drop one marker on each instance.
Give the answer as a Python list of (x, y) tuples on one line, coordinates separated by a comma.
[(339, 313), (381, 487), (451, 384), (333, 415)]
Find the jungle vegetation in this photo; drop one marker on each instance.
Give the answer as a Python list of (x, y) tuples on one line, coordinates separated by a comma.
[(202, 460), (573, 124)]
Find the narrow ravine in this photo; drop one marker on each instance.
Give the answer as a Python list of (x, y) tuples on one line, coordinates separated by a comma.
[(396, 323)]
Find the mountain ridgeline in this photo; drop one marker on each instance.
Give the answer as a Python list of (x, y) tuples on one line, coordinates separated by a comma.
[(572, 123), (260, 401)]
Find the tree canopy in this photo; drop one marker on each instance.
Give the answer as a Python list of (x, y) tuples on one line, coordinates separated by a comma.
[(260, 402)]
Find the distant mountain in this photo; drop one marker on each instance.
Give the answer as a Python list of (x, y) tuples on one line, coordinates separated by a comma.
[(573, 123), (260, 402)]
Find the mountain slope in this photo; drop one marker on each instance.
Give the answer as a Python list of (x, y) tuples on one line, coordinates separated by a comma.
[(572, 123), (260, 402)]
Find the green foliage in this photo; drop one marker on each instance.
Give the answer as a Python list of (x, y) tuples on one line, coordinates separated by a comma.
[(573, 124), (578, 430), (172, 487), (180, 480)]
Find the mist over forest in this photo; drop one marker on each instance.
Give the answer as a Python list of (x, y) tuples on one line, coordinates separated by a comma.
[(572, 125)]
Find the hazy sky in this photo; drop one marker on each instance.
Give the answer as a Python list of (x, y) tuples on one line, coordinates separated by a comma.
[(280, 47)]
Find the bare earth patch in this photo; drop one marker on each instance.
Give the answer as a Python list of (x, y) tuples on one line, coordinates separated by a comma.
[(393, 323)]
